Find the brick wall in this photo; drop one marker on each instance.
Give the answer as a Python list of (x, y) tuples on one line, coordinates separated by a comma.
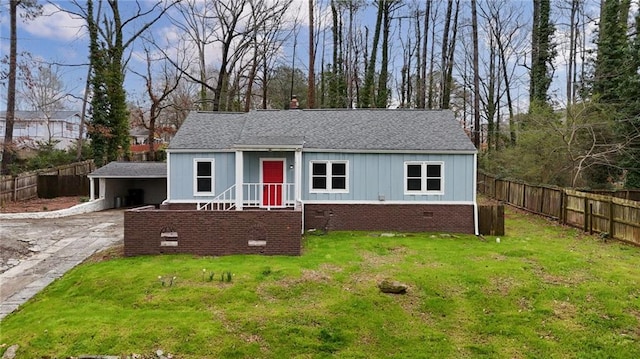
[(390, 217), (178, 206), (149, 231)]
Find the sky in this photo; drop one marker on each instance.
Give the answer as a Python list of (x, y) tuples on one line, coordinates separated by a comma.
[(58, 37)]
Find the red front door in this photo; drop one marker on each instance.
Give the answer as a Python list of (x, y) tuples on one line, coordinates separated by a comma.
[(273, 180)]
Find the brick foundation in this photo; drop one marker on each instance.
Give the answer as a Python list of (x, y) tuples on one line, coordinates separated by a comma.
[(213, 233), (178, 206), (390, 217)]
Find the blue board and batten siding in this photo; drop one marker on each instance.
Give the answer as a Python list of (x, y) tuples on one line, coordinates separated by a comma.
[(376, 175), (181, 174), (371, 176)]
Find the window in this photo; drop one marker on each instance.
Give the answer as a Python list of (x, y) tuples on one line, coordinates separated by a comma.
[(203, 174), (19, 125), (423, 177), (329, 176)]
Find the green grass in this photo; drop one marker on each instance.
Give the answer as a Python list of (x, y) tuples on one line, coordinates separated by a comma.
[(544, 291)]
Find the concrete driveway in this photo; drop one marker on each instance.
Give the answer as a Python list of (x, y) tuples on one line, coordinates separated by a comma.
[(35, 252)]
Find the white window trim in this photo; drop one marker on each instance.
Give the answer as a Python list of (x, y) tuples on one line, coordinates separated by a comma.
[(329, 176), (195, 177), (423, 178)]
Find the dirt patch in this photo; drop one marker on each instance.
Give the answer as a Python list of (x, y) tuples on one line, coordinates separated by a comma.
[(567, 280), (564, 310), (386, 257), (500, 285), (40, 204), (107, 254)]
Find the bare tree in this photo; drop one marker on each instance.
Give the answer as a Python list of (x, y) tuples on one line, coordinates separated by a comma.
[(503, 21), (271, 32), (197, 23), (43, 91), (158, 88), (423, 63), (476, 75), (448, 50), (32, 10), (249, 32), (111, 37), (311, 90), (388, 9)]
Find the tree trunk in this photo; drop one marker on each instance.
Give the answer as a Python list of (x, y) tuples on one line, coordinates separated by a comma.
[(432, 59), (573, 37), (383, 91), (444, 52), (425, 43), (476, 77), (251, 79), (311, 91), (7, 150), (535, 47), (368, 91), (448, 73)]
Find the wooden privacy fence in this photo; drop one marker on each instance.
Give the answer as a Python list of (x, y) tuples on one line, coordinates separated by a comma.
[(608, 215), (66, 180), (491, 220), (17, 188)]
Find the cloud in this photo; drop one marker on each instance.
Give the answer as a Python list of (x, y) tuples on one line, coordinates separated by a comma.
[(56, 25)]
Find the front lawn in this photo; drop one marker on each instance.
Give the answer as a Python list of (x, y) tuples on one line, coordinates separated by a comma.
[(543, 291)]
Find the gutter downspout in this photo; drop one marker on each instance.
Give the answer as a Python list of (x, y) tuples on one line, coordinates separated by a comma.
[(475, 194)]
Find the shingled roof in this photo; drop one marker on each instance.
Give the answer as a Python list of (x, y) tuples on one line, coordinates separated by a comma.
[(131, 170), (347, 129)]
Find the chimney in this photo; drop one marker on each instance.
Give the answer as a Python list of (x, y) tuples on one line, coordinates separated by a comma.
[(293, 105)]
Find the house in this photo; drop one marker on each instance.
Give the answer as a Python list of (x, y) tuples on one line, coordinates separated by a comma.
[(31, 127), (138, 136), (251, 182)]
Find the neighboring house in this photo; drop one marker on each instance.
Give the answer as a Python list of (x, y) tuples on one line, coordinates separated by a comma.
[(31, 127), (251, 179), (138, 136)]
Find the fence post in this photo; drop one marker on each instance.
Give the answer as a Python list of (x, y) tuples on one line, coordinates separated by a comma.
[(561, 215), (590, 218), (586, 215), (611, 226), (15, 189)]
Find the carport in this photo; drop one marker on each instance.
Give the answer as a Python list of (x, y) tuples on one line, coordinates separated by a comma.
[(130, 183)]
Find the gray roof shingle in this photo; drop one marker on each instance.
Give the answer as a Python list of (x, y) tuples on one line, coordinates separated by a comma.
[(346, 129), (39, 115), (131, 170)]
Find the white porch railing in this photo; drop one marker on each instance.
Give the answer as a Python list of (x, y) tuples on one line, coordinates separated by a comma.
[(262, 195)]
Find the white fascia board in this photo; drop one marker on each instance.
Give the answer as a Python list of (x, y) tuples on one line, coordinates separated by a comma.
[(127, 177), (431, 152), (464, 203), (267, 147), (200, 150), (334, 150)]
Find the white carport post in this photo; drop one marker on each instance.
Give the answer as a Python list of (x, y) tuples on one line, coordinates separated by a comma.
[(103, 188), (239, 179), (92, 189)]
